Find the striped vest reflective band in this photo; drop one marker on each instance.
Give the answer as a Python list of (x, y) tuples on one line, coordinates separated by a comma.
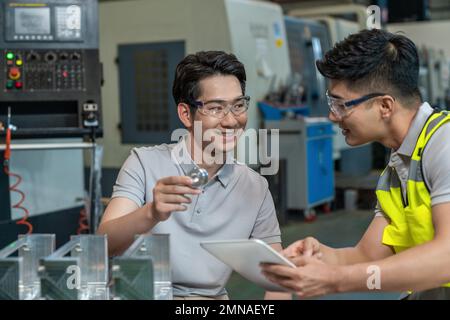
[(410, 220)]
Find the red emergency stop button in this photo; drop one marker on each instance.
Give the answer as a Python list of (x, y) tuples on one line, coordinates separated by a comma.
[(14, 73)]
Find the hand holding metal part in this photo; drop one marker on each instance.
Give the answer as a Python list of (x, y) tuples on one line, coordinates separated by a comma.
[(199, 177), (174, 193)]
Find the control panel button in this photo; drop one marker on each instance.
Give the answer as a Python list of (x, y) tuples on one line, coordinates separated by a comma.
[(19, 85), (33, 56), (10, 56), (76, 56), (19, 62), (9, 84), (50, 57), (14, 73)]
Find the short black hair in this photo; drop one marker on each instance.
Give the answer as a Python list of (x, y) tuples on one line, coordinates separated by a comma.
[(198, 66), (377, 61)]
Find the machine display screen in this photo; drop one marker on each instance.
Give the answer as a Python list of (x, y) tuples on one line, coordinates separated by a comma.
[(32, 20)]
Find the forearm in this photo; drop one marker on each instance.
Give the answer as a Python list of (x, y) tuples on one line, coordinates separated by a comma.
[(403, 271), (271, 295), (342, 256), (122, 231)]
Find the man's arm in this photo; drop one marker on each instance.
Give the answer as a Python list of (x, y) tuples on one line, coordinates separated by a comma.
[(423, 267), (369, 248), (122, 220), (418, 268), (277, 295)]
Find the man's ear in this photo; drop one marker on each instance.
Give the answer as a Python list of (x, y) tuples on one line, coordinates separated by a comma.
[(387, 106), (184, 113)]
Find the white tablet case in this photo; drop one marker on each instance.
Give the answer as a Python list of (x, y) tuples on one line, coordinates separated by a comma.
[(245, 256)]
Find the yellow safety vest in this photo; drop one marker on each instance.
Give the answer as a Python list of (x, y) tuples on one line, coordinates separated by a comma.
[(411, 223)]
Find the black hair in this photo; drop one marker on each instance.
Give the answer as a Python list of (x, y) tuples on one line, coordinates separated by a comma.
[(376, 61), (198, 66)]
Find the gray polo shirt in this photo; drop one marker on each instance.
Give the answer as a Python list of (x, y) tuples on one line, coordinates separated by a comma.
[(235, 204), (436, 170)]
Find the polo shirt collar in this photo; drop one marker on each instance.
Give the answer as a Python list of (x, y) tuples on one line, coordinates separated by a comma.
[(226, 172), (409, 143)]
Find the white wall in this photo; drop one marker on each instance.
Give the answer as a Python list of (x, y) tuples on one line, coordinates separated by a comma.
[(435, 34)]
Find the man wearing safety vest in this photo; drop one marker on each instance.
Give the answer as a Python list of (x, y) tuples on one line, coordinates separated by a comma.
[(373, 95)]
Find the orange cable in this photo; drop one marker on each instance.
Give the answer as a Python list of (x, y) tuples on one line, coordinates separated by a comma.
[(13, 188)]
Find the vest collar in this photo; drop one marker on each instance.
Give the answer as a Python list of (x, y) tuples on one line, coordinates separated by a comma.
[(409, 143)]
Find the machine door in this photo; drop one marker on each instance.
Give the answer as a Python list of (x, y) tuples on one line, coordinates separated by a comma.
[(308, 41)]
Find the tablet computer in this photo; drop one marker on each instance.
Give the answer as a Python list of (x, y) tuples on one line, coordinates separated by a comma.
[(245, 256)]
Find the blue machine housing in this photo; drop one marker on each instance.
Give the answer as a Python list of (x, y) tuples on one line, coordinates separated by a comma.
[(307, 146)]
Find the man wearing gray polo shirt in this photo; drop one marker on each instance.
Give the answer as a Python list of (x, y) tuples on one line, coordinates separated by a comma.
[(374, 96), (154, 194)]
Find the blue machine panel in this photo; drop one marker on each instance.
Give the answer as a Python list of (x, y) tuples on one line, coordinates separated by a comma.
[(318, 130), (320, 164)]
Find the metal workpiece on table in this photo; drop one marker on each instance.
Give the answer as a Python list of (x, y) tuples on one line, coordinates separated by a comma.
[(143, 271), (76, 271), (19, 278)]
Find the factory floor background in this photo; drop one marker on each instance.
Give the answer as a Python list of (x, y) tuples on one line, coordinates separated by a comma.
[(335, 229)]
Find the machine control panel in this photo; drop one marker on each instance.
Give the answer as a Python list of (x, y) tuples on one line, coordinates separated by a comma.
[(37, 70), (50, 67)]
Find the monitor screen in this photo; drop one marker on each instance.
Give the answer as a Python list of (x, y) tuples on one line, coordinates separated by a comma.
[(32, 20)]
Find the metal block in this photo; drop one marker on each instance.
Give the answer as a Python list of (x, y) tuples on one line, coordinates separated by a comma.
[(77, 271), (143, 271), (19, 278)]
